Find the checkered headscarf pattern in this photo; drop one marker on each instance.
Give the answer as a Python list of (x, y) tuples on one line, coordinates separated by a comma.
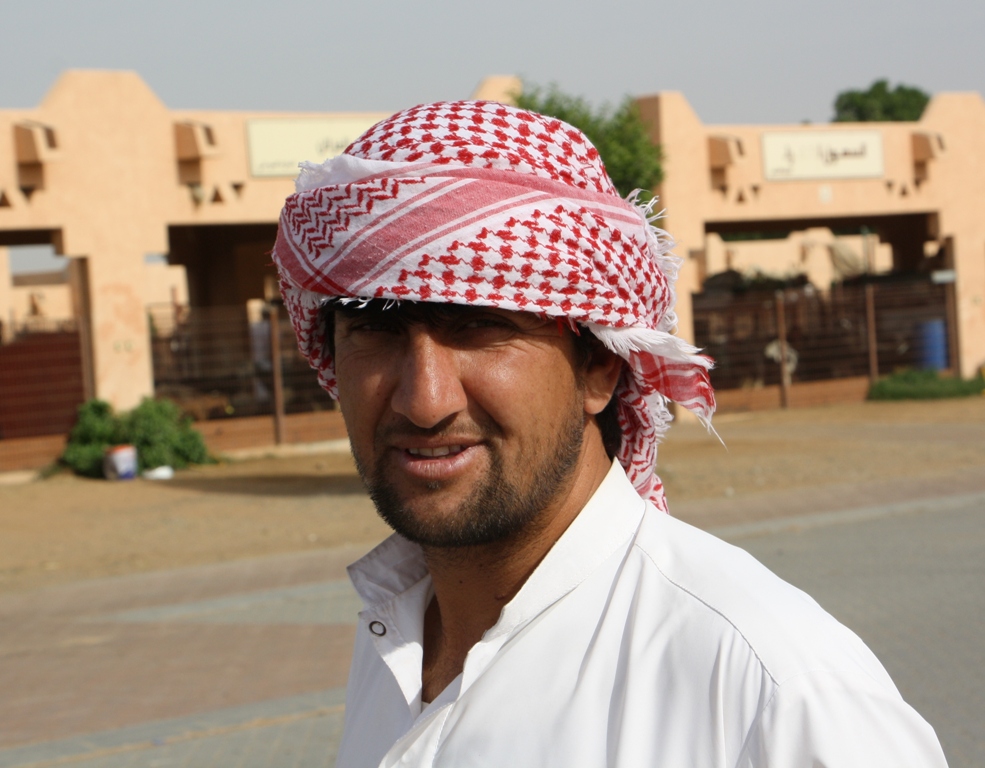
[(484, 204)]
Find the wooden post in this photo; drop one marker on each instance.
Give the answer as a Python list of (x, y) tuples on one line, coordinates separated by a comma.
[(275, 363), (175, 309), (951, 310), (78, 274), (781, 332), (870, 326)]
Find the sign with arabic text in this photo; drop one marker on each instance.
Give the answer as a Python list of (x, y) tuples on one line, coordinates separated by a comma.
[(277, 145), (800, 155)]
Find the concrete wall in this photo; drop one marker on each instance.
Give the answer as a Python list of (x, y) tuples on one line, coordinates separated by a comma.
[(815, 252), (47, 300), (959, 188), (165, 283)]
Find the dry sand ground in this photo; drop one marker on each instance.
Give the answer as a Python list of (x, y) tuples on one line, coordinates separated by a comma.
[(66, 528)]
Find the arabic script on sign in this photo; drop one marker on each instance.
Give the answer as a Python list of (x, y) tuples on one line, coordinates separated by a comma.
[(277, 145), (798, 155)]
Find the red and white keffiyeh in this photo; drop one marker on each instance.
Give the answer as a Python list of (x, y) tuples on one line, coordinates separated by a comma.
[(479, 203)]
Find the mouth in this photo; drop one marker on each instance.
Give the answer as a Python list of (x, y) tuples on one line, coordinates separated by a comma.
[(437, 452), (438, 463)]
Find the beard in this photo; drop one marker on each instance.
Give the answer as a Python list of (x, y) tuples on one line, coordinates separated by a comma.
[(502, 504)]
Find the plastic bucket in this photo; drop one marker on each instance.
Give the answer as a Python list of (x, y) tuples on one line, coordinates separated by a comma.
[(932, 345), (120, 462)]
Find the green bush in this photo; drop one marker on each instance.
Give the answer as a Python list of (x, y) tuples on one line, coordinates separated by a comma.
[(924, 385), (96, 428), (161, 434)]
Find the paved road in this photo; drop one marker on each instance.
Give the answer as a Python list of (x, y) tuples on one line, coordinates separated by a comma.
[(243, 664), (910, 580)]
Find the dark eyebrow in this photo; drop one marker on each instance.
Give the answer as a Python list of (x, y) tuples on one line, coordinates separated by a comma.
[(432, 314), (429, 313)]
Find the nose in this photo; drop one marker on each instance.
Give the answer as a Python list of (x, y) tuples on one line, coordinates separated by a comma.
[(429, 385)]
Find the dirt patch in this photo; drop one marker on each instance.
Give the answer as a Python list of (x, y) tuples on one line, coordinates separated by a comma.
[(803, 448), (67, 528)]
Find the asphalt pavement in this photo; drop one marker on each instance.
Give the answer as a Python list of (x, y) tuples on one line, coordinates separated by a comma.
[(244, 663), (909, 579)]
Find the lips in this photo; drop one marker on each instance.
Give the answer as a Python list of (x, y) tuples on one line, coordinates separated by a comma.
[(438, 463)]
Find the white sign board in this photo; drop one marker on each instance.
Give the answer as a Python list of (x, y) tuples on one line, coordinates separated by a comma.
[(798, 155), (277, 145)]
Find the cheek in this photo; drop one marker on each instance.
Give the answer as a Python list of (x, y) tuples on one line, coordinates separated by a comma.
[(361, 398), (523, 391)]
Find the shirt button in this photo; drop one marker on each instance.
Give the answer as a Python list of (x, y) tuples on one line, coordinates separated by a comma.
[(377, 628)]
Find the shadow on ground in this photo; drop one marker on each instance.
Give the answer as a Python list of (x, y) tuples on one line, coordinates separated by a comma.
[(272, 485)]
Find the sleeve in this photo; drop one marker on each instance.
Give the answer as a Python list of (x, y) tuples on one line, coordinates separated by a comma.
[(819, 720)]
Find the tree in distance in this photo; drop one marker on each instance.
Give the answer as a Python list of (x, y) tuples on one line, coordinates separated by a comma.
[(631, 159), (880, 104)]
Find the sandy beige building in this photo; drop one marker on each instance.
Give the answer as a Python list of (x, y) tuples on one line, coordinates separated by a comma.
[(114, 180), (902, 198), (108, 175)]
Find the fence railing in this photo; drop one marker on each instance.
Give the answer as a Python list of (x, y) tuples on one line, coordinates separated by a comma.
[(220, 362), (217, 362), (763, 338)]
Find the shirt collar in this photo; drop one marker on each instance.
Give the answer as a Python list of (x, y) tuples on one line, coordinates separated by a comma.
[(389, 570), (607, 521), (604, 526)]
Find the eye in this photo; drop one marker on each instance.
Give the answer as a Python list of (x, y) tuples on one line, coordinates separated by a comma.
[(371, 325), (476, 323), (482, 330)]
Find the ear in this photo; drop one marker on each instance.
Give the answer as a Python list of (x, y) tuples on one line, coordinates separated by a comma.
[(600, 379)]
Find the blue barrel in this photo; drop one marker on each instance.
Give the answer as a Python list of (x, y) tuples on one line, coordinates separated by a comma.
[(932, 345)]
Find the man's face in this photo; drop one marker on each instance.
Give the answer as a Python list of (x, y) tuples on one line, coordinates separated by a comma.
[(466, 426)]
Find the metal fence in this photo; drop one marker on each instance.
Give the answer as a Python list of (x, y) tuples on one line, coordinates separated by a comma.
[(42, 380), (217, 362), (801, 334), (220, 362)]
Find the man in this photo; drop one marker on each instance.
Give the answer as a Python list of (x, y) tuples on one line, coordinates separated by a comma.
[(496, 325)]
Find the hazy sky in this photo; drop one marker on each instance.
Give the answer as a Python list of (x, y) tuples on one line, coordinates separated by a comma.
[(759, 61)]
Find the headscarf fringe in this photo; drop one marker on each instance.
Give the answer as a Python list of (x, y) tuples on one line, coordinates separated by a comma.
[(623, 341), (660, 245)]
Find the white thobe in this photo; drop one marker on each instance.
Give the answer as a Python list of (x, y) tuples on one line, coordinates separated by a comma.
[(638, 641)]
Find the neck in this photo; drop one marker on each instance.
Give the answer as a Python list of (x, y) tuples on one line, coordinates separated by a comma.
[(472, 584)]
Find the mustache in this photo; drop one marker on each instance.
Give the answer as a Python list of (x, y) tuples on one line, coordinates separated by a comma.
[(451, 429)]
